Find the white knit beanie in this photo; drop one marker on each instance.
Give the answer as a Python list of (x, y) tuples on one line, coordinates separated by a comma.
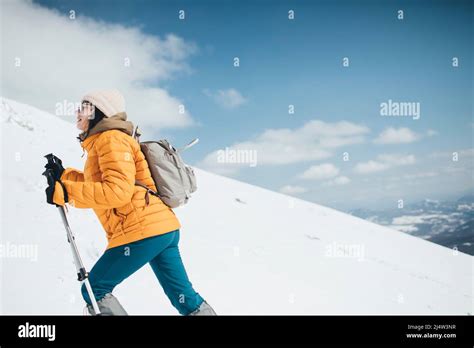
[(109, 101)]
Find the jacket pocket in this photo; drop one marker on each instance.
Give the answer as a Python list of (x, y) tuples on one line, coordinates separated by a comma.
[(138, 199), (128, 217)]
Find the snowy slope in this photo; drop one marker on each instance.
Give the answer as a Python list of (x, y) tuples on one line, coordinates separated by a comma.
[(247, 250)]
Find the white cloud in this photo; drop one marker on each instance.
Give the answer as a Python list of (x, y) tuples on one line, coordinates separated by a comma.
[(416, 219), (314, 141), (370, 167), (414, 176), (62, 59), (397, 136), (228, 98), (397, 160), (384, 162), (292, 190), (339, 181), (342, 180), (422, 175), (404, 228), (431, 132), (320, 172)]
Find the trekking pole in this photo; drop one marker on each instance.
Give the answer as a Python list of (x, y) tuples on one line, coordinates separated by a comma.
[(136, 135), (192, 143), (82, 274)]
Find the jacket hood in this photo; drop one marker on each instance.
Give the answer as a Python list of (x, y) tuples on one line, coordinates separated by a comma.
[(118, 121)]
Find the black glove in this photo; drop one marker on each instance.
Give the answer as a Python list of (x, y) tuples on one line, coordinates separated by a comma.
[(50, 176), (56, 165)]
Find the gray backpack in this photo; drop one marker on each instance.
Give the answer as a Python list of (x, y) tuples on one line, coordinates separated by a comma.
[(174, 180)]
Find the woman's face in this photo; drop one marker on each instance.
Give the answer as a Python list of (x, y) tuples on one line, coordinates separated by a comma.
[(83, 116)]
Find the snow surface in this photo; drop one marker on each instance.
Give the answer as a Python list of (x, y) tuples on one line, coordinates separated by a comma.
[(247, 250)]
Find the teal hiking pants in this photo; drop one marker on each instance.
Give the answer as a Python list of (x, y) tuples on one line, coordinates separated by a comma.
[(162, 253)]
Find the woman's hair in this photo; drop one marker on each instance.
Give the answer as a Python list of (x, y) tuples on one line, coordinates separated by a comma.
[(98, 116)]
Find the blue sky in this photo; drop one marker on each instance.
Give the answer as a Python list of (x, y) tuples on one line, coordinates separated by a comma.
[(299, 62)]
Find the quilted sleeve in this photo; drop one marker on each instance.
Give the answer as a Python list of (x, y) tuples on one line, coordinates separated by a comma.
[(117, 165), (72, 175)]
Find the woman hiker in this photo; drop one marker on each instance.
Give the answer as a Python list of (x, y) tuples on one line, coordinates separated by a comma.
[(139, 230)]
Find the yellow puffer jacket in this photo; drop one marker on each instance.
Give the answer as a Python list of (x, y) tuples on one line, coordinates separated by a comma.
[(107, 185)]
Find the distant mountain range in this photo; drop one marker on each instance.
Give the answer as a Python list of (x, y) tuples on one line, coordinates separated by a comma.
[(448, 223)]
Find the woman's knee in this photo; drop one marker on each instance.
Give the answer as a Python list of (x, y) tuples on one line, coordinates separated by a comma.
[(98, 289), (85, 294)]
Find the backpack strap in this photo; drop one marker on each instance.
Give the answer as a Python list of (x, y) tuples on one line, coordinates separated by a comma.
[(148, 191), (136, 134)]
